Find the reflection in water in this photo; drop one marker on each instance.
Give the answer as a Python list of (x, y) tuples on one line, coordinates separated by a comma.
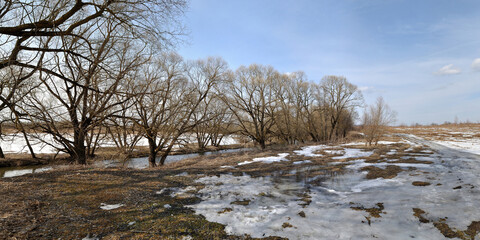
[(137, 163), (19, 171), (142, 162)]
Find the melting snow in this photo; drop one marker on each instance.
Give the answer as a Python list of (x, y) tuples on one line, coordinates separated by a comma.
[(354, 153), (276, 201), (302, 162), (309, 151), (468, 145), (105, 206), (279, 158)]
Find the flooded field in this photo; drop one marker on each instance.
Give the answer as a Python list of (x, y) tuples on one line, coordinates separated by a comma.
[(434, 195), (136, 163), (409, 187)]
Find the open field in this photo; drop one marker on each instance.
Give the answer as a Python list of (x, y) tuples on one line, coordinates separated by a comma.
[(409, 186)]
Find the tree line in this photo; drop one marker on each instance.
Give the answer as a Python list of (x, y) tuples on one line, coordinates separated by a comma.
[(80, 71)]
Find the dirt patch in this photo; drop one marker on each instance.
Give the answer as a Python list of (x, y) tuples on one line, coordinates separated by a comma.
[(373, 211), (387, 173), (287, 225), (420, 184), (441, 224), (225, 210), (243, 202)]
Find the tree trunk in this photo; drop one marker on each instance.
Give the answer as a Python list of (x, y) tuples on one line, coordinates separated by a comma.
[(79, 147), (28, 144), (81, 154), (152, 156), (164, 156), (262, 144), (1, 153)]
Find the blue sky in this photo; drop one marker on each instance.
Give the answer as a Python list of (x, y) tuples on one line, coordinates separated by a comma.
[(423, 57)]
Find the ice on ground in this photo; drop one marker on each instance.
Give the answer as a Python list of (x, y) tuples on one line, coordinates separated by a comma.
[(334, 152), (182, 174), (275, 203), (16, 173), (309, 151), (354, 153), (353, 144), (387, 142), (468, 145), (392, 152), (279, 158), (375, 183), (360, 163), (21, 172), (302, 162), (226, 166), (105, 206)]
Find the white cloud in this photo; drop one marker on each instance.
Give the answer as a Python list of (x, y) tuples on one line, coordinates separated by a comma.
[(448, 70), (476, 64), (365, 89)]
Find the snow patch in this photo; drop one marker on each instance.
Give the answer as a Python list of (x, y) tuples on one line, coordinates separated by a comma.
[(309, 151), (279, 158), (354, 153), (107, 207)]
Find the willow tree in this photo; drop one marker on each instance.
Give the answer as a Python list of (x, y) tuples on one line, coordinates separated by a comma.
[(340, 98), (167, 95), (71, 45), (250, 96)]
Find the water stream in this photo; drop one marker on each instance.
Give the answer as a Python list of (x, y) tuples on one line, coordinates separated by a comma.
[(136, 163)]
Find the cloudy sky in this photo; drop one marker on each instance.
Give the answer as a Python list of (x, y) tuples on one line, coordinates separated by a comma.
[(423, 57)]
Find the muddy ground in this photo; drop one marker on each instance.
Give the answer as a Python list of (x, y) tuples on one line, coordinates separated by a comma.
[(65, 203)]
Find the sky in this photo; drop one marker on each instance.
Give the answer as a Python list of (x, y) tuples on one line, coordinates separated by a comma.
[(422, 57)]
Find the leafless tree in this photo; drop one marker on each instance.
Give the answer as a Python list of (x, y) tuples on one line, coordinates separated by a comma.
[(121, 127), (85, 91), (61, 41), (169, 93), (375, 119), (15, 84), (250, 97), (339, 96)]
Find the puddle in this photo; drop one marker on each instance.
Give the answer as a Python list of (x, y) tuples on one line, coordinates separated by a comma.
[(19, 171)]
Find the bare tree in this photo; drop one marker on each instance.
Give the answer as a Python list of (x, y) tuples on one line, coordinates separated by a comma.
[(121, 127), (85, 90), (250, 97), (375, 119), (169, 93), (15, 84), (339, 96), (29, 30)]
